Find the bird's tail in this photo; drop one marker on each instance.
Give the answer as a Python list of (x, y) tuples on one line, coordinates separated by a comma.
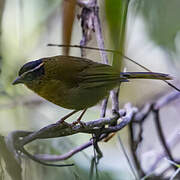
[(145, 75)]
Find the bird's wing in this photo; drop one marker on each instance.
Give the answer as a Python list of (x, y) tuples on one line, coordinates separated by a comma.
[(98, 74)]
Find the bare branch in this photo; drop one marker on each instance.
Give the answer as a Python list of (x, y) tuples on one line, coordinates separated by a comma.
[(140, 118), (168, 98), (161, 134), (172, 142), (104, 107), (64, 129)]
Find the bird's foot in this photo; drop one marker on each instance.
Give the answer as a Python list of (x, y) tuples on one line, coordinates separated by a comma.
[(78, 122), (62, 120)]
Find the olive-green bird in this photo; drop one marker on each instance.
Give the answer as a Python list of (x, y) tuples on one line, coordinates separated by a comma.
[(74, 82)]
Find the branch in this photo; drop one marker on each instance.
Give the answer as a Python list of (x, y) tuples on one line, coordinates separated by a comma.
[(166, 99), (172, 142), (161, 134), (140, 118), (90, 23), (65, 129)]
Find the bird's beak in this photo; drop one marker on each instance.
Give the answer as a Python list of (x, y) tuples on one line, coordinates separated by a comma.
[(17, 80)]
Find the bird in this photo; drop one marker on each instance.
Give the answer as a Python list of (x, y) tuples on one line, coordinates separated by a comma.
[(73, 82)]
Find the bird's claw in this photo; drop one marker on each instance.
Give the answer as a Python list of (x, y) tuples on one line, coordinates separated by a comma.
[(79, 122)]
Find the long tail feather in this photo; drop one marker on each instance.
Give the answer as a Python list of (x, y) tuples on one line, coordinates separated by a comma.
[(145, 75)]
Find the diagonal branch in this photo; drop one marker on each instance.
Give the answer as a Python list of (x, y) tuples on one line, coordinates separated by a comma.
[(161, 134)]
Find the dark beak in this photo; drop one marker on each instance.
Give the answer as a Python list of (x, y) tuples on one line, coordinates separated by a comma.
[(17, 80)]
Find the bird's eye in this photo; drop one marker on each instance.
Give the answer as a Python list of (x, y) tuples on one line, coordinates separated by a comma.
[(34, 74), (29, 77)]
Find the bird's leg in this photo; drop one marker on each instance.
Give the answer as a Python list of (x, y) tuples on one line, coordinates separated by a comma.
[(79, 118), (109, 137), (65, 117)]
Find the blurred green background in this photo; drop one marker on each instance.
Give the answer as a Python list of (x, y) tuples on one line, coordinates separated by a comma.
[(152, 39)]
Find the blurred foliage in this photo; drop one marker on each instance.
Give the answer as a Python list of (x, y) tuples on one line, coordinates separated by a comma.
[(69, 9), (22, 31), (10, 163), (116, 15), (1, 13), (162, 21)]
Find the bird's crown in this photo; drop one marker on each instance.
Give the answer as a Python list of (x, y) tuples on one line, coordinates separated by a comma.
[(30, 66)]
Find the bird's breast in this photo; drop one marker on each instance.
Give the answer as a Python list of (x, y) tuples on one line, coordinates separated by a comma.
[(76, 97)]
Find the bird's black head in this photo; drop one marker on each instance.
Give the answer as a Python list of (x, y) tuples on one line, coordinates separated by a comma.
[(30, 71)]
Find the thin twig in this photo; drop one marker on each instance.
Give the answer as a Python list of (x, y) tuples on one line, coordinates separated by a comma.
[(172, 142), (103, 108), (166, 99), (54, 158), (133, 146), (161, 134), (98, 32), (140, 118), (118, 52), (115, 100)]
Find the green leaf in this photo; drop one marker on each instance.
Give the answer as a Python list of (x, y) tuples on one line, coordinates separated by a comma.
[(162, 21), (116, 14)]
